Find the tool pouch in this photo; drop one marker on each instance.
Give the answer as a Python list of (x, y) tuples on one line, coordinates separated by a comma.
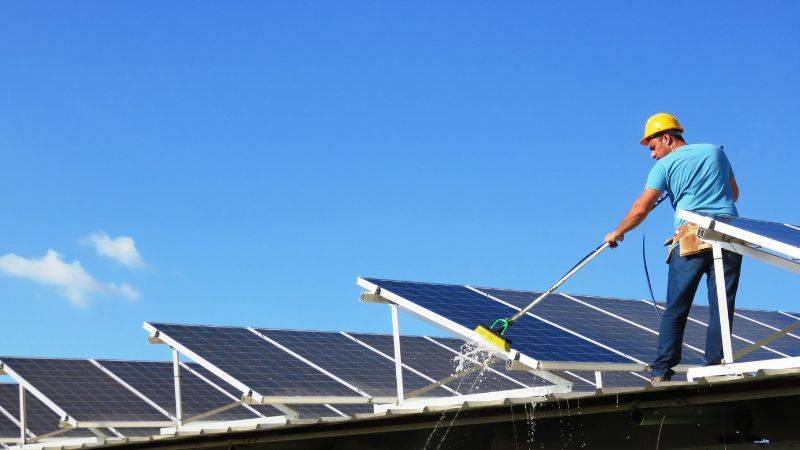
[(688, 242)]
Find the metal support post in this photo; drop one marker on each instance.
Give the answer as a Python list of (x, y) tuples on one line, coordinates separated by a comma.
[(23, 416), (598, 379), (398, 362), (722, 301), (176, 375)]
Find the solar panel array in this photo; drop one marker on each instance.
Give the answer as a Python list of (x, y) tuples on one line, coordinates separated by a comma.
[(314, 363), (569, 328), (83, 390), (331, 364), (250, 359), (340, 364), (231, 362)]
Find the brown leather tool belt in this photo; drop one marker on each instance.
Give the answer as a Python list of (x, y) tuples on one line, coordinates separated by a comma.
[(686, 238)]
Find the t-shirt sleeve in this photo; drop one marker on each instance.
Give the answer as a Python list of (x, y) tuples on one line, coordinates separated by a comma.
[(727, 162), (657, 178), (730, 169)]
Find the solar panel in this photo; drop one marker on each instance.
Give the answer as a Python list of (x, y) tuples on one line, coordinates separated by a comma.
[(349, 361), (155, 381), (252, 361), (643, 314), (779, 232), (84, 391), (633, 341), (748, 327), (744, 333), (469, 309), (40, 418), (304, 411), (439, 363)]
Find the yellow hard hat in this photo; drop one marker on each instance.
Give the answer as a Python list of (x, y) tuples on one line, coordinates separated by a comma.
[(658, 123)]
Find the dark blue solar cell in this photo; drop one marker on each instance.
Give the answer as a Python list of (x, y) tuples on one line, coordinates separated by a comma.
[(439, 363), (250, 359), (532, 337), (83, 390), (593, 324), (155, 381), (350, 361), (776, 231)]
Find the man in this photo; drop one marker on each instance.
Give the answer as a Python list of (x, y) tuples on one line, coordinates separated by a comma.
[(697, 177)]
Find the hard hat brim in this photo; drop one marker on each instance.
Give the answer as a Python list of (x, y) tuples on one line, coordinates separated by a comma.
[(647, 138)]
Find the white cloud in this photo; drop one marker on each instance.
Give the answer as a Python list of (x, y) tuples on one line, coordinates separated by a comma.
[(121, 249), (72, 280)]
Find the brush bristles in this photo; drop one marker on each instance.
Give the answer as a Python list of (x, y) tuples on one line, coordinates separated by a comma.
[(493, 338)]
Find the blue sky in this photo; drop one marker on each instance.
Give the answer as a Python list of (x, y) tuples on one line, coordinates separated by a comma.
[(262, 155)]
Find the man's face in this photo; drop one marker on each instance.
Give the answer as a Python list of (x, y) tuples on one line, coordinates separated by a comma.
[(659, 146)]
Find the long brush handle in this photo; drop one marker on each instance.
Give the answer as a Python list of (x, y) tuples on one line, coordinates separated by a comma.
[(586, 260)]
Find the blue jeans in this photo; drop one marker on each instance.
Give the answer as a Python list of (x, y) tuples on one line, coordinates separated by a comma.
[(685, 273)]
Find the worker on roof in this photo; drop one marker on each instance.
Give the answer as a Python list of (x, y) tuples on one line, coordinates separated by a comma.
[(697, 177)]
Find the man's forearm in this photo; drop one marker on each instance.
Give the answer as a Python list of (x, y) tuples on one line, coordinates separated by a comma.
[(632, 219), (638, 212)]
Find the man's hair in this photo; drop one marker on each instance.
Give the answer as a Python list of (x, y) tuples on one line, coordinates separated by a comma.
[(674, 133)]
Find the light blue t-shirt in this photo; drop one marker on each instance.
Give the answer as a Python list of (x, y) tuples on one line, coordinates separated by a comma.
[(697, 178)]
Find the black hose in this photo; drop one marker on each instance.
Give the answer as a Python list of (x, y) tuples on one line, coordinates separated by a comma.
[(647, 272), (644, 255)]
